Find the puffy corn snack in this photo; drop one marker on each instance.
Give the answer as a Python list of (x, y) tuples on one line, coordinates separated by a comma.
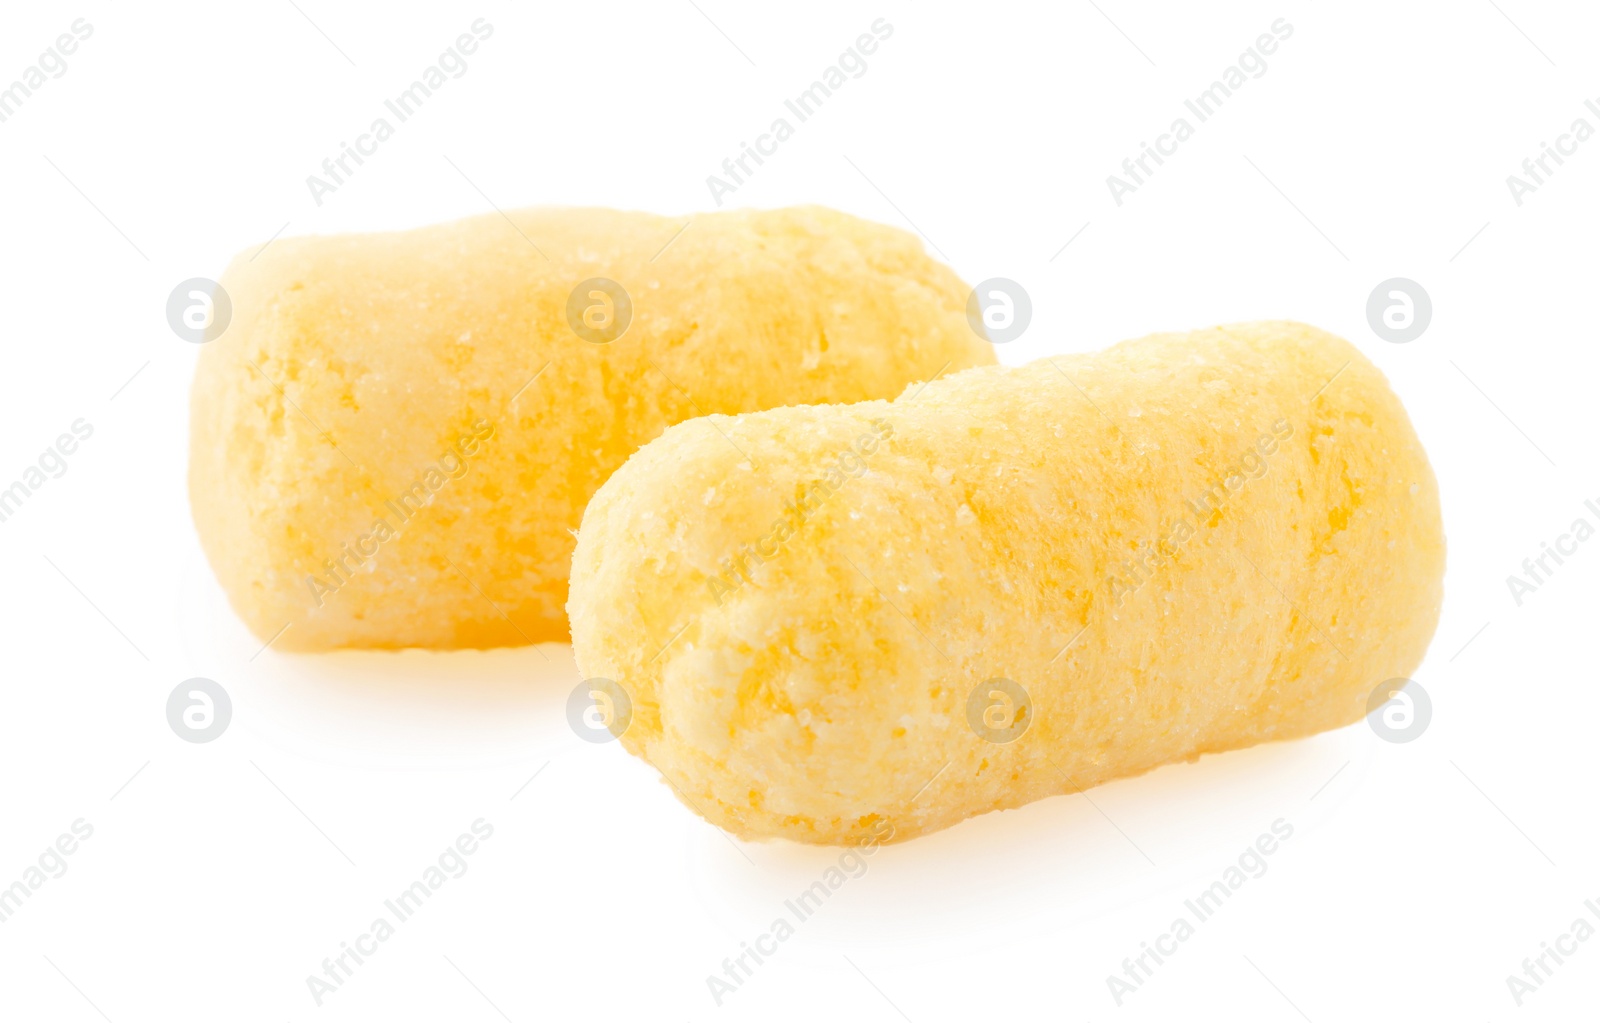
[(393, 440), (1010, 583)]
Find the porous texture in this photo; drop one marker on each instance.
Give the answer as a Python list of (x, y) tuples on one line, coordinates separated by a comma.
[(1183, 544), (429, 381)]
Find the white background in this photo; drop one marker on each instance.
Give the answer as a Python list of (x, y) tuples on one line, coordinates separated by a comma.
[(219, 876)]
